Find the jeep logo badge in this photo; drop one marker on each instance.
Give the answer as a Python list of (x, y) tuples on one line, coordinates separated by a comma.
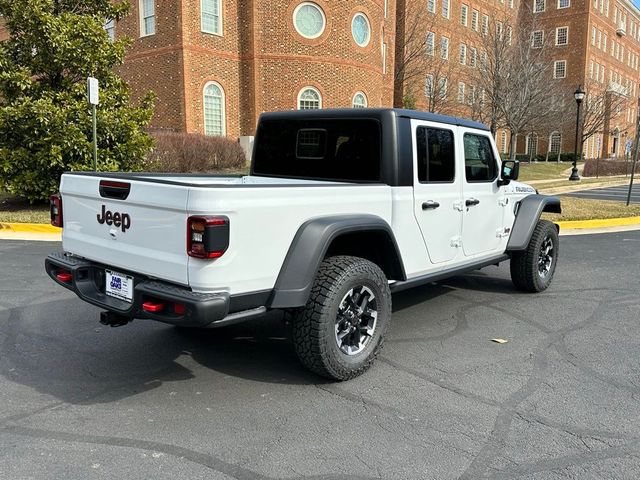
[(117, 219)]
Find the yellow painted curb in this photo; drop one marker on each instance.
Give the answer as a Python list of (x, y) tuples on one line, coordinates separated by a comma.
[(598, 223), (29, 228)]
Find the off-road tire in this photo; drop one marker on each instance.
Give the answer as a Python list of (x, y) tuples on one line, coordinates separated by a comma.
[(314, 325), (525, 265)]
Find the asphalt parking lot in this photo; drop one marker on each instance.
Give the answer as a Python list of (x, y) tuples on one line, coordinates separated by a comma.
[(618, 194), (560, 400)]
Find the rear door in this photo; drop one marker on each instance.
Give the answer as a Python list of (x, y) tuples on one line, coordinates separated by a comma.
[(437, 189), (127, 224), (483, 216)]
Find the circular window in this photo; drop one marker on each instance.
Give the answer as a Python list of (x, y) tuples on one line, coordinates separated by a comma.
[(361, 29), (359, 100), (308, 18)]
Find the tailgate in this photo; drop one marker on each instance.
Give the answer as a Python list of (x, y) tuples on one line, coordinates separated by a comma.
[(143, 233)]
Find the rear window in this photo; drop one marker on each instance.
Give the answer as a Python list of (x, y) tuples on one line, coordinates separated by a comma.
[(342, 150)]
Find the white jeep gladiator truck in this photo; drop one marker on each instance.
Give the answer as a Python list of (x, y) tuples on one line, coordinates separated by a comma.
[(341, 209)]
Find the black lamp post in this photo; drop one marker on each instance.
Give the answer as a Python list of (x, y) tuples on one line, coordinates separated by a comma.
[(579, 96)]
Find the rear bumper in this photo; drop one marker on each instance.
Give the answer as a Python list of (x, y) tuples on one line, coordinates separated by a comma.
[(200, 309)]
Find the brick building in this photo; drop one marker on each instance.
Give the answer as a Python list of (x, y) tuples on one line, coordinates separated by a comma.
[(215, 65)]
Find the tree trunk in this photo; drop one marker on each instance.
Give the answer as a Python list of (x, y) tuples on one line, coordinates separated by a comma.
[(514, 141)]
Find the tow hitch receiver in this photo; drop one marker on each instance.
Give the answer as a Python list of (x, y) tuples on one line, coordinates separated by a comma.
[(113, 319)]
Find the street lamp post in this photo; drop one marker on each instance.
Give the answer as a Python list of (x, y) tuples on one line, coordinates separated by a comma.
[(579, 96)]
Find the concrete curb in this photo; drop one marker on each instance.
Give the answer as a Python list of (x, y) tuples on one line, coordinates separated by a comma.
[(598, 223), (30, 231)]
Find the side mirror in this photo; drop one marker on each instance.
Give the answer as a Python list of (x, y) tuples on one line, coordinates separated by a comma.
[(510, 171)]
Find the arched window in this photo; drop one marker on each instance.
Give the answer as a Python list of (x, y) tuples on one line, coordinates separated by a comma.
[(532, 144), (214, 114), (555, 143), (359, 100), (309, 99)]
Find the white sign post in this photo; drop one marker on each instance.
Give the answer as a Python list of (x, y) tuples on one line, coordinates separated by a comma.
[(93, 95)]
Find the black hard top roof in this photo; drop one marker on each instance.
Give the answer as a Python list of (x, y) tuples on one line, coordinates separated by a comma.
[(336, 113)]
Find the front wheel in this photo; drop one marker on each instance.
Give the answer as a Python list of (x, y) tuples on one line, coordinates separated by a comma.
[(340, 330), (532, 269)]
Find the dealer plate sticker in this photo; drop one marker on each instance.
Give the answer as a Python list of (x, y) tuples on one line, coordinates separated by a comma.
[(119, 286)]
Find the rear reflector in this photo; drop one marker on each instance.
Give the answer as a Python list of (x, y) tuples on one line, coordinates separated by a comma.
[(65, 277), (153, 306), (55, 206), (179, 308), (207, 237)]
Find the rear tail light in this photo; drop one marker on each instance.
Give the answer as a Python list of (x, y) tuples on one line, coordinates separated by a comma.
[(55, 206), (207, 237)]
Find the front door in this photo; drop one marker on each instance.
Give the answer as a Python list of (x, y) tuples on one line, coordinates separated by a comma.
[(483, 203), (437, 189)]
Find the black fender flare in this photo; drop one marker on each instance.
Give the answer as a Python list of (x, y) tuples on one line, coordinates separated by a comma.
[(529, 210), (309, 247)]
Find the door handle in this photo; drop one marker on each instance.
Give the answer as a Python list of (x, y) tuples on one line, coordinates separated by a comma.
[(471, 202), (430, 205)]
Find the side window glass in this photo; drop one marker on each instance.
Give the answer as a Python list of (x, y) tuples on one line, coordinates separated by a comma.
[(480, 164), (436, 155)]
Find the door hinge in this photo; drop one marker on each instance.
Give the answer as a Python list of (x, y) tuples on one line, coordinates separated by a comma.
[(503, 201), (458, 205), (456, 242), (503, 232)]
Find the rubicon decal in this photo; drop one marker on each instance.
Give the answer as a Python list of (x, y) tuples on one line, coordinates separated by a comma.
[(117, 219)]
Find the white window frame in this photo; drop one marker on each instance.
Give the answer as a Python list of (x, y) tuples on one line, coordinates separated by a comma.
[(566, 42), (304, 89), (430, 44), (431, 6), (223, 108), (428, 86), (485, 25), (537, 3), (534, 35), (144, 16), (473, 57), (464, 15), (556, 63), (366, 19), (360, 105), (552, 135), (446, 9), (471, 96), (462, 57), (475, 16), (110, 28), (324, 20), (220, 14), (443, 88), (444, 47), (560, 6), (384, 58), (461, 89)]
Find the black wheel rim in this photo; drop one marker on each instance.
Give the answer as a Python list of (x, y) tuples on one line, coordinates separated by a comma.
[(546, 257), (356, 320)]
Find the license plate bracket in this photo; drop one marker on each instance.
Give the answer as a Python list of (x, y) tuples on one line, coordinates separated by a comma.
[(119, 285)]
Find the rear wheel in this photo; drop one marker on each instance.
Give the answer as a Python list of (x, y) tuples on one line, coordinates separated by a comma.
[(340, 331), (532, 269)]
